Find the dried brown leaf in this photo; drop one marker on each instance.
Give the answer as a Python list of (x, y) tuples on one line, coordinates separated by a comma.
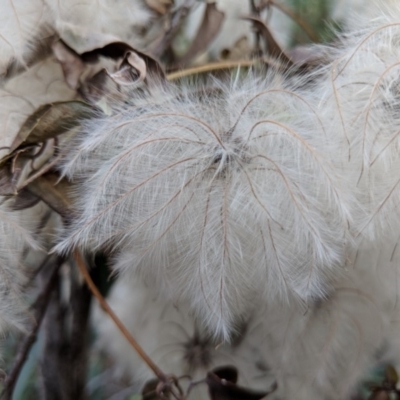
[(20, 96), (132, 70), (117, 50), (208, 30), (51, 120)]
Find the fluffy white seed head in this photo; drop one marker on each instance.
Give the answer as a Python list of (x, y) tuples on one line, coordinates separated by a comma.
[(175, 342), (360, 102), (217, 196)]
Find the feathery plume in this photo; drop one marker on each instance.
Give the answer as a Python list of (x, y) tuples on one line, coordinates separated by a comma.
[(360, 102), (216, 196), (175, 341)]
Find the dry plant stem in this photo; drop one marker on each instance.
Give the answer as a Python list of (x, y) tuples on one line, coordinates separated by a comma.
[(39, 308), (209, 68), (157, 371)]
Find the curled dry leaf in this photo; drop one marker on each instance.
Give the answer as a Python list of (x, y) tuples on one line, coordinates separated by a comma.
[(132, 69), (50, 121), (34, 146), (73, 62), (20, 96), (137, 59)]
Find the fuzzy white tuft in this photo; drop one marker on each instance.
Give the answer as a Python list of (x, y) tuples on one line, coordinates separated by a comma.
[(173, 339), (218, 198), (361, 103)]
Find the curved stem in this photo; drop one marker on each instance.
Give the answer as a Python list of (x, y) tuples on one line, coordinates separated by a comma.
[(82, 268)]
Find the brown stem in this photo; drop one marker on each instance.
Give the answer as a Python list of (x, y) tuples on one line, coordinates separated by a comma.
[(39, 308), (82, 268)]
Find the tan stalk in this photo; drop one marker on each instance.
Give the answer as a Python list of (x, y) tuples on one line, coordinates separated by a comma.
[(95, 291)]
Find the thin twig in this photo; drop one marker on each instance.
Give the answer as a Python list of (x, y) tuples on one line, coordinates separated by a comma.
[(215, 66), (39, 308), (82, 268)]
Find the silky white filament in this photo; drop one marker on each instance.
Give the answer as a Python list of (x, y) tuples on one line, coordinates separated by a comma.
[(216, 196)]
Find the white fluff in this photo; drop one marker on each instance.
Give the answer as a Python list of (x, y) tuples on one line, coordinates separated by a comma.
[(176, 187), (17, 256), (360, 102), (325, 352), (175, 342), (217, 200)]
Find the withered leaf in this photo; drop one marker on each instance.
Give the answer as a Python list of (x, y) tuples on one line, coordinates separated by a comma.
[(222, 386), (209, 28), (160, 6), (272, 46), (51, 120), (132, 70), (118, 50)]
